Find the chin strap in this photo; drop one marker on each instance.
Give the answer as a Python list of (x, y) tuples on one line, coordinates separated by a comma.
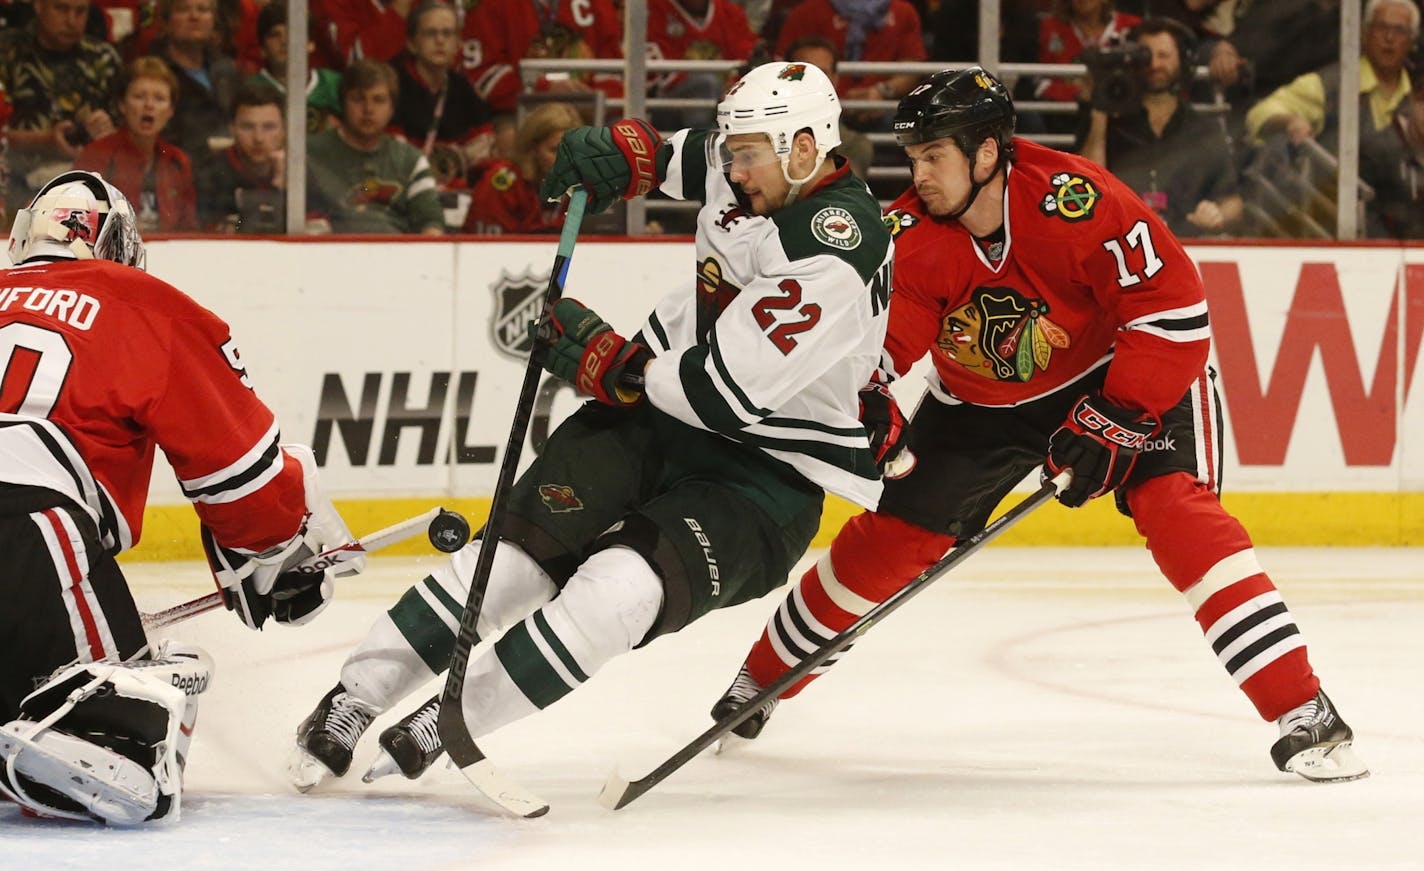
[(974, 188), (796, 183)]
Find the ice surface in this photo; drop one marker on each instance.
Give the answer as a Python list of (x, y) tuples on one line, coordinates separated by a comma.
[(1037, 709)]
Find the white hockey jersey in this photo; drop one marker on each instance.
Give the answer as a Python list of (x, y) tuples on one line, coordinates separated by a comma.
[(785, 322)]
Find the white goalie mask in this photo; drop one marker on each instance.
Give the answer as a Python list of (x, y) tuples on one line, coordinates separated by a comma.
[(77, 215), (780, 99)]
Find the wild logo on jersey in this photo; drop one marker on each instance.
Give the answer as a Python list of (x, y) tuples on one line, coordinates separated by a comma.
[(792, 72), (1001, 334), (898, 221), (1072, 198), (373, 191), (560, 498)]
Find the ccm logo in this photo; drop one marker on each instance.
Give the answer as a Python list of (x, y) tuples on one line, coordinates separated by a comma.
[(1092, 421)]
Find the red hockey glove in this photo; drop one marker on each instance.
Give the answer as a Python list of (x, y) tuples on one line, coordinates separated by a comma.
[(883, 421), (1099, 441), (583, 350)]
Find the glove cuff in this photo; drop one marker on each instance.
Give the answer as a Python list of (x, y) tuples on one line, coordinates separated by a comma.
[(638, 142)]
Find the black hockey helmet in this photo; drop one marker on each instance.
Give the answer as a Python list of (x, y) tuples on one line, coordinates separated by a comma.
[(967, 106)]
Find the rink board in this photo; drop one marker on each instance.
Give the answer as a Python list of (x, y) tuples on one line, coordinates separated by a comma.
[(399, 360)]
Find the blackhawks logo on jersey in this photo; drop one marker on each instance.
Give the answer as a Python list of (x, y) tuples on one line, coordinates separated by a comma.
[(1072, 198), (503, 178), (898, 221), (1001, 334), (518, 299)]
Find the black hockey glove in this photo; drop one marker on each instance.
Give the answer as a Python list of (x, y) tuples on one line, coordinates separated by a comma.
[(582, 349), (884, 424), (612, 162), (1099, 441)]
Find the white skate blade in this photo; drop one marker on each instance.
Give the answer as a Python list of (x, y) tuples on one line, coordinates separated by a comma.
[(305, 771), (112, 787), (1328, 764), (384, 766)]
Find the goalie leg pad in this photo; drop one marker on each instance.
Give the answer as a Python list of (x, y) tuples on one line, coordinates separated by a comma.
[(105, 741)]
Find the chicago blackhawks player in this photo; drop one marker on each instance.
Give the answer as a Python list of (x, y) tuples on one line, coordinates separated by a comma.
[(99, 365), (1067, 327), (696, 483)]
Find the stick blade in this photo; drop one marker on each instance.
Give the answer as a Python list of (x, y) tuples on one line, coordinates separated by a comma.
[(512, 798), (615, 792)]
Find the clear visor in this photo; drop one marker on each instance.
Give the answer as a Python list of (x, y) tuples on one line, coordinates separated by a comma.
[(745, 156)]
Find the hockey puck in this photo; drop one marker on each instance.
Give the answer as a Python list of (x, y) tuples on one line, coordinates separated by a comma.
[(449, 531)]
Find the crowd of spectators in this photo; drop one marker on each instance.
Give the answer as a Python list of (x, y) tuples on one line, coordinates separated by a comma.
[(419, 118)]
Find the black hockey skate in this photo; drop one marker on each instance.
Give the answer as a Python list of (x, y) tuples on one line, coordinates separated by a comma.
[(743, 688), (1315, 743), (410, 746), (327, 739)]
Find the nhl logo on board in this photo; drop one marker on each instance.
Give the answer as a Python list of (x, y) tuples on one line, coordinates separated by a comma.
[(835, 227), (518, 299)]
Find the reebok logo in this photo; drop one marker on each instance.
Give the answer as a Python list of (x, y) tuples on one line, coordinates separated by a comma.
[(1164, 443)]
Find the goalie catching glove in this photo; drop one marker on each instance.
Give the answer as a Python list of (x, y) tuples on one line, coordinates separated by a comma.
[(271, 583), (1100, 442), (611, 162), (582, 349)]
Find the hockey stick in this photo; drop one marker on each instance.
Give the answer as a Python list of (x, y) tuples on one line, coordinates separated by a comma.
[(454, 731), (618, 792), (336, 556)]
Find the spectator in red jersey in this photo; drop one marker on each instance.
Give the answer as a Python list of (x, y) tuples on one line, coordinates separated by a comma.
[(694, 30), (821, 52), (437, 112), (154, 175), (506, 197), (1071, 27), (353, 29), (862, 30), (207, 78), (498, 34)]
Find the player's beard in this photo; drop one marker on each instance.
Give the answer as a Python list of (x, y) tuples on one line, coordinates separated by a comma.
[(938, 204)]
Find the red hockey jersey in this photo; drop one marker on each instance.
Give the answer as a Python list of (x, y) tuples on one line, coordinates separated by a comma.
[(504, 201), (1087, 273), (719, 32), (497, 34), (101, 363)]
